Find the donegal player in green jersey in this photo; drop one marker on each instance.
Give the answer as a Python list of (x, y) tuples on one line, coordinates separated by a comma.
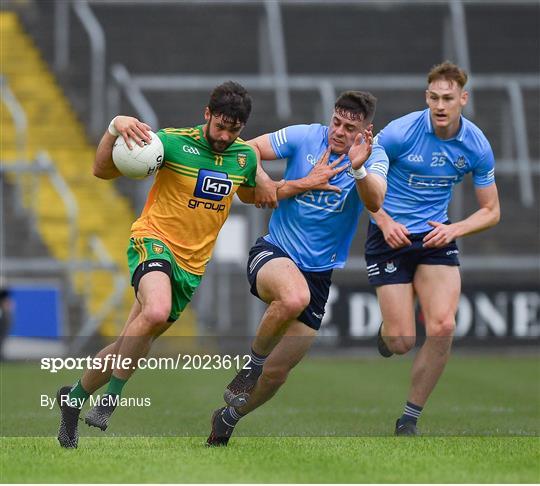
[(172, 241)]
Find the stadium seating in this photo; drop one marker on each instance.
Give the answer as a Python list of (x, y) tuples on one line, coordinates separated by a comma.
[(54, 127)]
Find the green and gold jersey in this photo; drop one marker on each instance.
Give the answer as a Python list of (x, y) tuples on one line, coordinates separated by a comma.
[(192, 194)]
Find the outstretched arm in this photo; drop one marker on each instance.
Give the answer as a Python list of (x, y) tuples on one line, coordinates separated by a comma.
[(317, 179), (487, 216), (126, 126), (268, 192)]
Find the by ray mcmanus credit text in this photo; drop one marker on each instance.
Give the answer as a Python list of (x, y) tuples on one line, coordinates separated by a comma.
[(104, 400)]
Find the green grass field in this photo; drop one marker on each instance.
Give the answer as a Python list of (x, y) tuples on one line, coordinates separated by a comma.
[(482, 424)]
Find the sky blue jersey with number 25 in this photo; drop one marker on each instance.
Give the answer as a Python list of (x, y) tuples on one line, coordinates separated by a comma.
[(315, 228), (424, 169)]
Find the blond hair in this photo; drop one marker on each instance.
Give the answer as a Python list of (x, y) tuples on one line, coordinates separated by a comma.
[(449, 71)]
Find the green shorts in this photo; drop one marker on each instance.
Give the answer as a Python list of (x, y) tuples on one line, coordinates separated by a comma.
[(183, 284)]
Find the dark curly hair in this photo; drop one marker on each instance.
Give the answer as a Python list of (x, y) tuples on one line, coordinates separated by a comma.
[(232, 101), (356, 105)]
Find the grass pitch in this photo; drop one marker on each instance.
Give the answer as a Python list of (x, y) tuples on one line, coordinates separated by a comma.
[(481, 425), (275, 460)]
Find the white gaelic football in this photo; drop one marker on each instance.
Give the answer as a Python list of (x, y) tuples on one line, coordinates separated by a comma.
[(139, 162)]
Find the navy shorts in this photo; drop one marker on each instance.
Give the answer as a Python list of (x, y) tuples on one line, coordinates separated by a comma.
[(318, 282), (386, 266)]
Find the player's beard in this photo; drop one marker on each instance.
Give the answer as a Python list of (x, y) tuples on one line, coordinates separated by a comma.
[(216, 145)]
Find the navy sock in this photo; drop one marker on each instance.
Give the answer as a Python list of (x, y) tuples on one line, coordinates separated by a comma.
[(256, 362), (231, 416), (411, 413)]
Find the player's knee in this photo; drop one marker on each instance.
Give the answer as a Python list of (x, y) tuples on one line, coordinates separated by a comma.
[(274, 376), (442, 327), (400, 344), (155, 313), (292, 305)]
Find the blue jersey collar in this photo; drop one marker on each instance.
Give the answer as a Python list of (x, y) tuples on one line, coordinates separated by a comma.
[(325, 135), (460, 134)]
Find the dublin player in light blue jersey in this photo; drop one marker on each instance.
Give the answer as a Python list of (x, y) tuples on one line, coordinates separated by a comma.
[(309, 235), (411, 248)]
